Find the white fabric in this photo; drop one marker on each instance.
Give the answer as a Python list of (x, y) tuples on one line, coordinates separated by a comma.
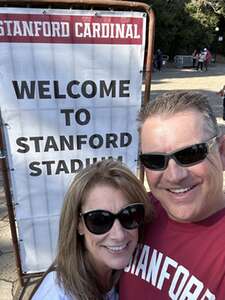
[(49, 134), (50, 290)]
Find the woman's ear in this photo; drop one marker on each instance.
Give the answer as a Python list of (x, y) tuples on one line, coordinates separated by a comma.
[(80, 227), (222, 150)]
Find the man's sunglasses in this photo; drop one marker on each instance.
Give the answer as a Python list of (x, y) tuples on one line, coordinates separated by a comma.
[(184, 157), (101, 221)]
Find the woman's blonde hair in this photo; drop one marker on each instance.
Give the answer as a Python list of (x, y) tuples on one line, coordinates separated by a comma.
[(75, 272)]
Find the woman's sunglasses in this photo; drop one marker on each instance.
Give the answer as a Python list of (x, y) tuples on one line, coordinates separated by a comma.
[(101, 221), (184, 157)]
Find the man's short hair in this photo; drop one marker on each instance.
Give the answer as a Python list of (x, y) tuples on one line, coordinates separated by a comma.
[(170, 103)]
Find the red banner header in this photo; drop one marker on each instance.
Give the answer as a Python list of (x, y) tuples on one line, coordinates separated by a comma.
[(70, 29)]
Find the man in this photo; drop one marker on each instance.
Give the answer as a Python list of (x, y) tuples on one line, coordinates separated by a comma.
[(183, 253), (221, 93), (159, 59)]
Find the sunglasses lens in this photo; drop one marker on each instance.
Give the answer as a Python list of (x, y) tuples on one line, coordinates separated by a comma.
[(192, 155), (101, 221), (132, 216), (98, 222), (186, 157), (153, 161)]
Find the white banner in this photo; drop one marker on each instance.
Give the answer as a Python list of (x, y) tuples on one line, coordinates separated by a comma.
[(70, 89)]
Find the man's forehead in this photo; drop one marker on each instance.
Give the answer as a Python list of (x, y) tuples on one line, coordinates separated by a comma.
[(172, 131), (182, 118)]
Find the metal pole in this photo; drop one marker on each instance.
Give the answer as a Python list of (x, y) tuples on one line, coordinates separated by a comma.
[(216, 44), (6, 183), (149, 61), (216, 49)]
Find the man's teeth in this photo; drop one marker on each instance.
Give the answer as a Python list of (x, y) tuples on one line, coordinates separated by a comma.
[(117, 248), (178, 191)]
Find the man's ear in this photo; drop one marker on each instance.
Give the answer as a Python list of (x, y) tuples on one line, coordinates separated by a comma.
[(222, 150)]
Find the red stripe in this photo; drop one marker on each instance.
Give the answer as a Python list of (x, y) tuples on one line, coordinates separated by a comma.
[(70, 29)]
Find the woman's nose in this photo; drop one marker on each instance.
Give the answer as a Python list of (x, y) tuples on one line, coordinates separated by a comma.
[(117, 231)]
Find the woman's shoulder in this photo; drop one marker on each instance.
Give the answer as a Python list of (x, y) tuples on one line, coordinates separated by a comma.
[(112, 294), (49, 289)]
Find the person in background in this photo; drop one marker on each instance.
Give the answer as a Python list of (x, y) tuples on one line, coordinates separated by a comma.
[(159, 59), (221, 93), (208, 58), (201, 60), (183, 252), (100, 224), (195, 55)]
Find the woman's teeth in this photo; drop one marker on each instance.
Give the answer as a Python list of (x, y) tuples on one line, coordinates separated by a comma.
[(181, 190), (117, 248)]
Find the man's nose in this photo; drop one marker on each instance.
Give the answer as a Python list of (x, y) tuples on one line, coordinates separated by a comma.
[(175, 172)]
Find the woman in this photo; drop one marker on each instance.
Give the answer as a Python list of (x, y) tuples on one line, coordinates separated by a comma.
[(100, 225)]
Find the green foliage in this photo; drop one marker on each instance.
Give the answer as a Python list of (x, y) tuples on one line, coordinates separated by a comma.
[(218, 6), (184, 25)]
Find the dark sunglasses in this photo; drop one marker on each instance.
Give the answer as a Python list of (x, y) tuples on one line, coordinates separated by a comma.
[(184, 157), (101, 221)]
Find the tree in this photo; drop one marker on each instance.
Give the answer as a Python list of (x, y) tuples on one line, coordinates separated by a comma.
[(218, 6), (183, 25)]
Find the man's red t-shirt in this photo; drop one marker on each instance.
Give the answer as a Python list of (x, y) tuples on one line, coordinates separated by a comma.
[(178, 261)]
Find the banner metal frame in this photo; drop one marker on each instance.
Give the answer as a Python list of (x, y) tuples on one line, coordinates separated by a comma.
[(73, 4)]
